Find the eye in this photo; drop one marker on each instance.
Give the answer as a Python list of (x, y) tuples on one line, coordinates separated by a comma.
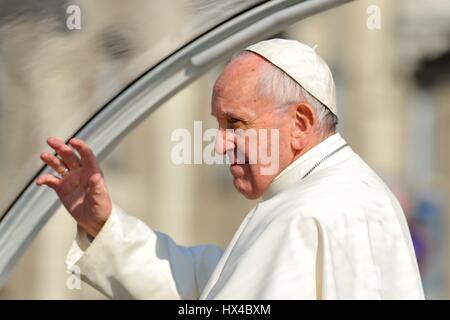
[(234, 123)]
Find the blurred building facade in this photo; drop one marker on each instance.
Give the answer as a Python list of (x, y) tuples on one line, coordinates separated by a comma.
[(394, 106)]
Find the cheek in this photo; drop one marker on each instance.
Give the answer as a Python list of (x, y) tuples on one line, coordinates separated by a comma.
[(285, 143), (285, 136)]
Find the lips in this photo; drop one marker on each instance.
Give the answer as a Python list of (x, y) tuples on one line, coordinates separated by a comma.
[(235, 159), (235, 162), (237, 170), (238, 164)]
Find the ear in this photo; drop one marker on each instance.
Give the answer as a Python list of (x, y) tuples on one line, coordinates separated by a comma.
[(303, 124)]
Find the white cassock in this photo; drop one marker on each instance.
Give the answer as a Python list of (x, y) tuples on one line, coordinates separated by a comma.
[(339, 233)]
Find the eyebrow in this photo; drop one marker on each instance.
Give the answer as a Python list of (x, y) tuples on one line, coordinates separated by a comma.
[(229, 114)]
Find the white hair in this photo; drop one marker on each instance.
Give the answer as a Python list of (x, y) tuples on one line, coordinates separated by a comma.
[(275, 84)]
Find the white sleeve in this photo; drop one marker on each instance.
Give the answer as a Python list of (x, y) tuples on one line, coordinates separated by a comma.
[(128, 260)]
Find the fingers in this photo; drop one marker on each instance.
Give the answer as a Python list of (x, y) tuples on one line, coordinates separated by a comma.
[(87, 156), (49, 180), (64, 151), (68, 157), (54, 162)]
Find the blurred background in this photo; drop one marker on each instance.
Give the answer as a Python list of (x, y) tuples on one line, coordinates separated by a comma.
[(393, 89)]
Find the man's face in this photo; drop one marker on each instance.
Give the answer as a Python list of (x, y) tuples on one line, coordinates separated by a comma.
[(239, 108)]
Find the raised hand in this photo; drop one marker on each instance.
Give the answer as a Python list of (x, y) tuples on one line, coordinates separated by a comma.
[(81, 187)]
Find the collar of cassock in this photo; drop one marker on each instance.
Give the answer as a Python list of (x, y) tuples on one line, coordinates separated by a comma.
[(294, 173)]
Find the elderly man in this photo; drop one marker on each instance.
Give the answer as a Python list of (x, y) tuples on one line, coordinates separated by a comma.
[(326, 228)]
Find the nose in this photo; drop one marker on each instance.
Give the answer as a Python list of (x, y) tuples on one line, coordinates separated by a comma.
[(224, 142)]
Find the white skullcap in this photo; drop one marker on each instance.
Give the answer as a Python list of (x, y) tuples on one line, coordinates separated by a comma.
[(303, 65)]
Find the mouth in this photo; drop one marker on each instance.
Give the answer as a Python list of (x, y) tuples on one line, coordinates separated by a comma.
[(238, 164), (237, 160)]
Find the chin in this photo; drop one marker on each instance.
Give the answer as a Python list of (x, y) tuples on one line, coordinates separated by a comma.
[(251, 196), (245, 188)]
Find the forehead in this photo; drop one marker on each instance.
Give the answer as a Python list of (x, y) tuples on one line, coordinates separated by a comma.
[(235, 91)]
